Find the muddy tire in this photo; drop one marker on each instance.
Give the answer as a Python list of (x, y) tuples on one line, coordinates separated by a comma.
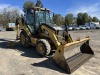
[(43, 47)]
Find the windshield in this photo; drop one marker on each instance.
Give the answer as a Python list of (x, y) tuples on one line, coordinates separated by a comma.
[(29, 17), (42, 18), (48, 20)]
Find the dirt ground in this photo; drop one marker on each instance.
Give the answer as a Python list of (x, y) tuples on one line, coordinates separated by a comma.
[(26, 61)]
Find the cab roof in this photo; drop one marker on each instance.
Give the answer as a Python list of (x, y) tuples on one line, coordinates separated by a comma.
[(42, 9)]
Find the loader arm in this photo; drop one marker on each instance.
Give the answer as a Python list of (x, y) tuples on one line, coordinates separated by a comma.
[(55, 37), (51, 34)]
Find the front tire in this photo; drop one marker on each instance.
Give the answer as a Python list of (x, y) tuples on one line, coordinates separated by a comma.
[(43, 47)]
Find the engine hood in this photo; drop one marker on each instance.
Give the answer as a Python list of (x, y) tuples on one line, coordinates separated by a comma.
[(57, 28), (54, 27)]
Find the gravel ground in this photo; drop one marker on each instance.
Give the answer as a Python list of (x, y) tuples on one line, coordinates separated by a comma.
[(26, 61)]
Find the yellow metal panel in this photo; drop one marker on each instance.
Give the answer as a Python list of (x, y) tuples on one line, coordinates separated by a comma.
[(26, 30), (33, 40), (76, 42), (52, 35), (45, 35)]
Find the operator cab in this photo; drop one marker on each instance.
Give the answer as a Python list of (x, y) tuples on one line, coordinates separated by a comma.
[(37, 16)]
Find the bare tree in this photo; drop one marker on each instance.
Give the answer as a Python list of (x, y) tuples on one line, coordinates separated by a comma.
[(14, 14), (9, 14)]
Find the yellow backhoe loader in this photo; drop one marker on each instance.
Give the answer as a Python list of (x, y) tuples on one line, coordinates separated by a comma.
[(37, 29)]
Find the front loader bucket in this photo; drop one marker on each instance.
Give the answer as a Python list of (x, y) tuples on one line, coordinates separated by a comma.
[(72, 55)]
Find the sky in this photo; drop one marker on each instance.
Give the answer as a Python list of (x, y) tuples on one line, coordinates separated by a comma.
[(63, 7)]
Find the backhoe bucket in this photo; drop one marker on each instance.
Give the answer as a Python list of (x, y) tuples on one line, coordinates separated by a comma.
[(69, 58)]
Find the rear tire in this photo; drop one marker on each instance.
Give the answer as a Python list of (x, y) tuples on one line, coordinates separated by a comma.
[(24, 39), (43, 47)]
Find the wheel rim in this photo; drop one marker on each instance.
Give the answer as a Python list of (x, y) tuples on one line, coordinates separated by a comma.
[(22, 39), (41, 48)]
